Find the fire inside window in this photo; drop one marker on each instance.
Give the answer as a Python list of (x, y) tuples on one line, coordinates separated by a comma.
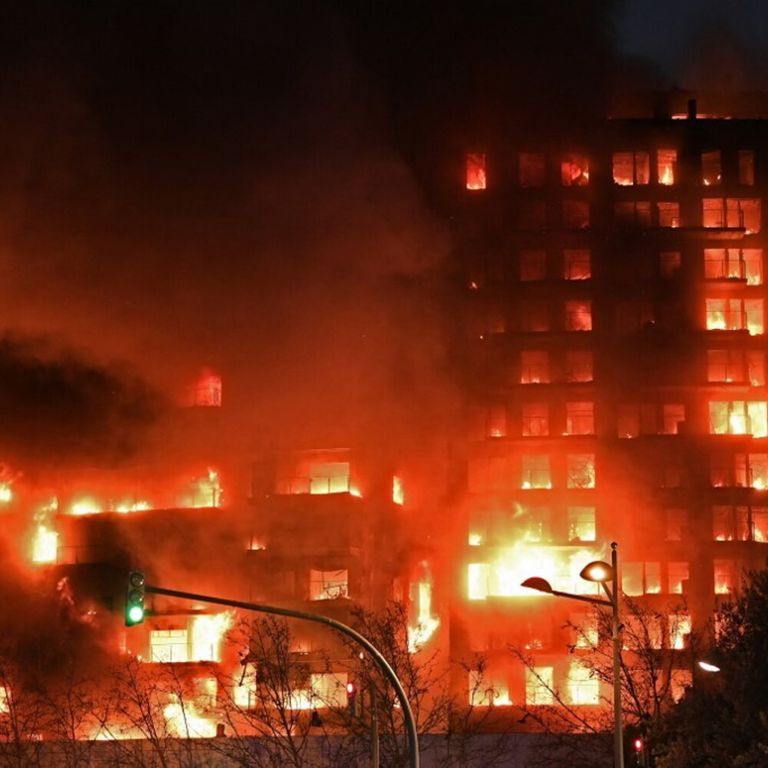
[(668, 214), (534, 367), (580, 470), (583, 685), (631, 168), (208, 390), (574, 170), (735, 315), (740, 523), (475, 171), (484, 692), (641, 578), (731, 212), (725, 576), (711, 168), (738, 417), (677, 577), (328, 585), (539, 686), (734, 264), (578, 315), (666, 165), (536, 472), (642, 633), (580, 418), (535, 420), (496, 421), (740, 470), (581, 524), (679, 627), (584, 632), (577, 264), (736, 365)]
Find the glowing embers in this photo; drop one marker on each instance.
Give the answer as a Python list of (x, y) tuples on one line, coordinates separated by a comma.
[(426, 623), (475, 171), (503, 575), (735, 315), (738, 417), (207, 393)]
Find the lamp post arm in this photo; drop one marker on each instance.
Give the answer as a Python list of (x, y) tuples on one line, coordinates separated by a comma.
[(383, 664)]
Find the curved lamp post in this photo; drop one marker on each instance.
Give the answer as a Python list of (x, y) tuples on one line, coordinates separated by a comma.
[(601, 573)]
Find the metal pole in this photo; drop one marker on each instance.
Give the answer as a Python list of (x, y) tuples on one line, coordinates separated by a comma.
[(618, 731), (389, 673), (374, 729)]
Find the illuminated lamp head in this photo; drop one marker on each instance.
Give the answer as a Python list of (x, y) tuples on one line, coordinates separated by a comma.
[(597, 571), (708, 666)]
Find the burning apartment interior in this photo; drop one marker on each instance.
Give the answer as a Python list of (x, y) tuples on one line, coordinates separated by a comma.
[(363, 375)]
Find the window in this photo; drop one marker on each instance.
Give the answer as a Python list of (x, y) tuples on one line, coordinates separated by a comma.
[(732, 212), (583, 685), (740, 470), (628, 420), (735, 315), (533, 169), (536, 472), (532, 214), (746, 167), (738, 417), (633, 316), (632, 213), (711, 168), (328, 585), (475, 171), (581, 524), (677, 576), (534, 367), (580, 418), (630, 168), (484, 693), (535, 317), (574, 170), (208, 390), (739, 523), (533, 265), (734, 264), (666, 166), (578, 365), (538, 524), (672, 415), (641, 578), (677, 521), (575, 214), (535, 419), (725, 576), (539, 686), (669, 263), (736, 365), (578, 315), (679, 626), (330, 477), (168, 646), (581, 470), (496, 421), (669, 214), (577, 264)]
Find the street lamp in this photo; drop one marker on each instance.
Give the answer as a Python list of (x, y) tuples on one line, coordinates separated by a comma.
[(601, 573)]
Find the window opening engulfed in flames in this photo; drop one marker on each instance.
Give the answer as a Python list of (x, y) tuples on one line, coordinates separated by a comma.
[(476, 178), (734, 264), (574, 170), (666, 166), (743, 213), (328, 585), (631, 168), (208, 390), (735, 315)]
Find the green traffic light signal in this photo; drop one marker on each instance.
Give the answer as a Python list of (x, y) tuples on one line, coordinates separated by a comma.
[(134, 599)]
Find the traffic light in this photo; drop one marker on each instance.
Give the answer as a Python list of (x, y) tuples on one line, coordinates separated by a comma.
[(353, 705), (638, 748), (134, 599)]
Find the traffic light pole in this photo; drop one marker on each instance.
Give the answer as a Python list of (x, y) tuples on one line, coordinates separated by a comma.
[(383, 664)]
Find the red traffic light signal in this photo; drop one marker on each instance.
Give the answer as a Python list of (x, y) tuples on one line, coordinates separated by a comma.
[(638, 745)]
